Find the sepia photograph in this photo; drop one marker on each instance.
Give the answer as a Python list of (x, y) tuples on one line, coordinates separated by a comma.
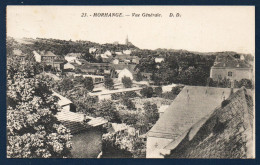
[(130, 82)]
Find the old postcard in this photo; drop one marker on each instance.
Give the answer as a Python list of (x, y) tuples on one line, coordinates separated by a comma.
[(130, 82)]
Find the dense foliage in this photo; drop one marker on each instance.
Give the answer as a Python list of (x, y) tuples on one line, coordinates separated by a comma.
[(32, 129), (109, 84), (127, 82)]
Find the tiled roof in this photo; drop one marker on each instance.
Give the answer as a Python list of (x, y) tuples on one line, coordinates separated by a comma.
[(75, 121), (230, 62), (226, 133), (47, 53), (62, 100), (192, 104)]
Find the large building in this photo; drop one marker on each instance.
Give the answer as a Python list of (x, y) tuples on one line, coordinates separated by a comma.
[(87, 131), (231, 68), (228, 132), (48, 58), (191, 105)]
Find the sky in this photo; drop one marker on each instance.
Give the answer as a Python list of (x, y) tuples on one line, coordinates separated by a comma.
[(200, 28)]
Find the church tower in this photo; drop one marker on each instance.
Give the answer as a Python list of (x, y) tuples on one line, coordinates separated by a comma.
[(126, 40)]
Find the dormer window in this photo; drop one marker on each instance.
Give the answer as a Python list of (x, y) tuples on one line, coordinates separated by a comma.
[(230, 74)]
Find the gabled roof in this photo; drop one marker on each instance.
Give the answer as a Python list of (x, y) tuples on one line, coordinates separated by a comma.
[(226, 133), (62, 100), (73, 55), (192, 104), (47, 53), (230, 62)]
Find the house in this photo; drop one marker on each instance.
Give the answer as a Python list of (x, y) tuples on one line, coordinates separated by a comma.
[(72, 57), (92, 50), (46, 57), (87, 133), (118, 53), (96, 68), (125, 73), (191, 105), (231, 68), (127, 52), (49, 58), (108, 53), (159, 59), (65, 104), (20, 56), (96, 78), (69, 66), (226, 133), (115, 61)]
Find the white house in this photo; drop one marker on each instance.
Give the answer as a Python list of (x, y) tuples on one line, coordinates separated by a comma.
[(92, 50), (118, 53), (128, 52), (115, 61), (72, 57), (159, 59), (108, 53), (69, 66), (125, 73), (63, 102)]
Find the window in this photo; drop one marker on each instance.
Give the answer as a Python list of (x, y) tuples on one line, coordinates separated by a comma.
[(230, 74)]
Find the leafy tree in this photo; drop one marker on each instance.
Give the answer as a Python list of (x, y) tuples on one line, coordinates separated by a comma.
[(158, 91), (127, 82), (107, 110), (151, 113), (88, 83), (32, 129), (147, 92), (109, 84), (246, 83), (139, 76), (128, 103), (65, 84)]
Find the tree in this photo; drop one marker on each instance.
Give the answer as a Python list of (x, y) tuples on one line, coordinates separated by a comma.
[(147, 92), (32, 129), (88, 83), (65, 84), (127, 82), (158, 91), (109, 83), (107, 110), (151, 113), (139, 76), (128, 103)]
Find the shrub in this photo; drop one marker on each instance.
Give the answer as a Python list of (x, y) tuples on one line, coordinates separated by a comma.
[(158, 91), (109, 84), (147, 92), (128, 103), (127, 82)]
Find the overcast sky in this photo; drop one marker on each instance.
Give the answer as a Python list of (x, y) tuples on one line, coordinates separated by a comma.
[(204, 29)]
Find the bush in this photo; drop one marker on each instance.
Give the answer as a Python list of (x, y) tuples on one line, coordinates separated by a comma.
[(130, 94), (158, 91), (109, 84), (128, 103), (127, 82), (147, 92)]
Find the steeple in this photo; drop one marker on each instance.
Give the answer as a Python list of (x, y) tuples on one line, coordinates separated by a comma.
[(126, 40)]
